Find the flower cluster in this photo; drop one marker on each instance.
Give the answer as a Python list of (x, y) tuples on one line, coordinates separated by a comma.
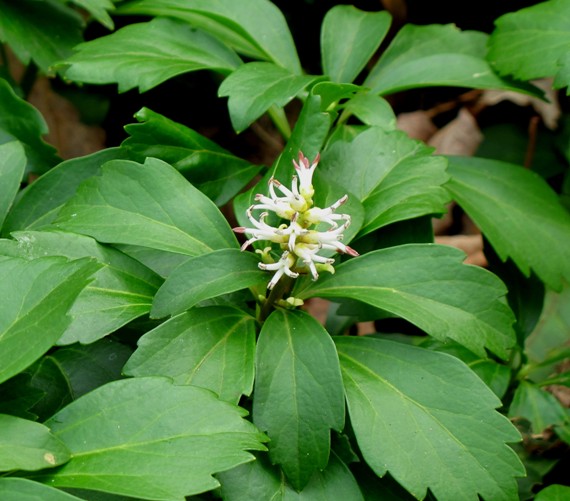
[(300, 244)]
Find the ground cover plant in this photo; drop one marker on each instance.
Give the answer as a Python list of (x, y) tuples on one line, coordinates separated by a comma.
[(158, 337)]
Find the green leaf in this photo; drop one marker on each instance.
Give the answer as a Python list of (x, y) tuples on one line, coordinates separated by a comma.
[(254, 87), (395, 177), (255, 28), (552, 331), (88, 367), (518, 212), (410, 406), (298, 393), (429, 286), (538, 406), (44, 32), (36, 296), (22, 488), (12, 167), (98, 9), (38, 204), (554, 493), (145, 437), (205, 277), (151, 205), (144, 55), (530, 42), (260, 480), (214, 171), (349, 38), (372, 110), (21, 121), (17, 398), (331, 93), (211, 347), (496, 376), (121, 290), (422, 56), (25, 445)]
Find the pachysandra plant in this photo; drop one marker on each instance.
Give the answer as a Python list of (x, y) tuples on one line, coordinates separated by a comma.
[(146, 352)]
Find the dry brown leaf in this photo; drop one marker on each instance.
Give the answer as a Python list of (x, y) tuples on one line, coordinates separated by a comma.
[(549, 111), (416, 124), (461, 136), (472, 245)]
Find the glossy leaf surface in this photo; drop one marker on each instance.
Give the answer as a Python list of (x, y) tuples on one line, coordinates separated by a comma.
[(121, 290), (44, 32), (254, 87), (146, 54), (14, 488), (151, 205), (255, 28), (260, 480), (168, 439), (12, 167), (404, 412), (394, 177), (213, 170), (38, 204), (435, 55), (518, 212), (429, 286), (33, 312), (531, 42), (205, 277), (349, 38), (211, 347), (26, 445), (298, 393)]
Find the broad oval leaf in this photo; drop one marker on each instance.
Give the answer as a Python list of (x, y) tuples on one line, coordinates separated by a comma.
[(38, 204), (205, 277), (254, 87), (395, 177), (22, 488), (265, 481), (422, 56), (26, 445), (255, 28), (518, 212), (214, 171), (146, 54), (21, 121), (298, 393), (151, 205), (529, 43), (211, 347), (410, 406), (12, 167), (349, 38), (122, 290), (167, 439), (36, 296), (44, 32), (429, 286)]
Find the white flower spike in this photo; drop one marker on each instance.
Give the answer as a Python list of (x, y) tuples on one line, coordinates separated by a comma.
[(300, 245)]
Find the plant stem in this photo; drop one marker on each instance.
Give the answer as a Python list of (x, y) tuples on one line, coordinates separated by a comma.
[(281, 288), (279, 118)]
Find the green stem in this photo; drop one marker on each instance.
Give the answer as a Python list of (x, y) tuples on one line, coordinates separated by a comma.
[(278, 292), (279, 118)]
